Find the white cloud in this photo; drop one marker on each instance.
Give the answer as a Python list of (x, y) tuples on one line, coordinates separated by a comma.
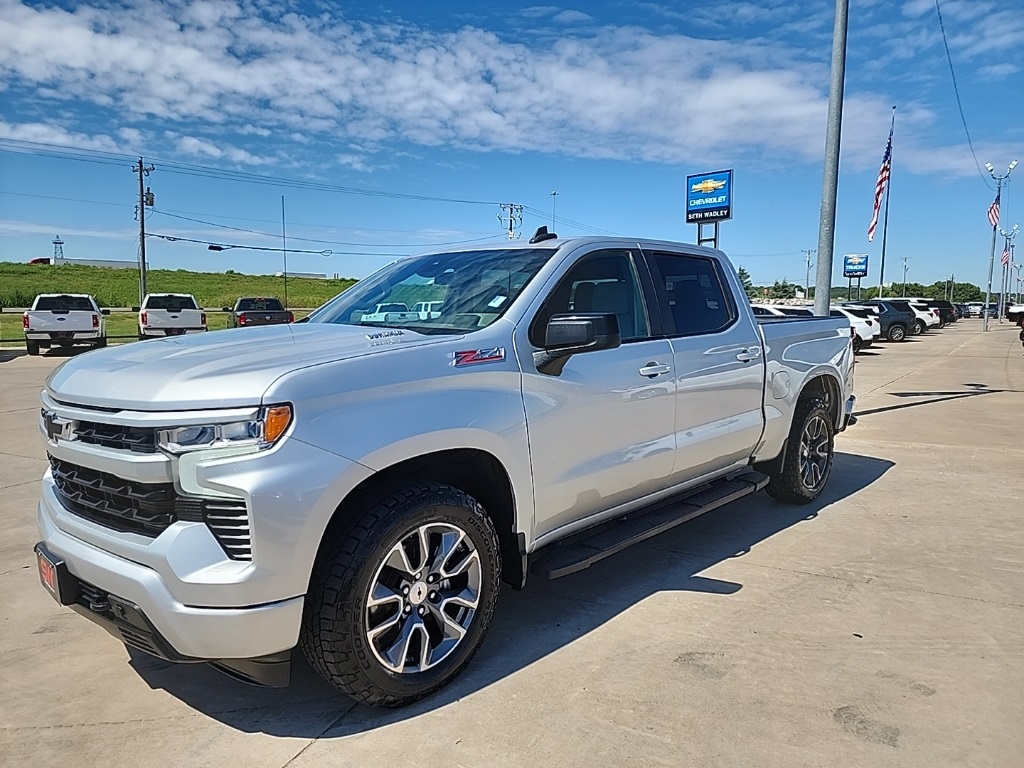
[(620, 93), (996, 71), (51, 133), (572, 17)]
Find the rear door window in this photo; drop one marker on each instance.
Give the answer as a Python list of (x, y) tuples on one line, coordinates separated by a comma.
[(694, 296)]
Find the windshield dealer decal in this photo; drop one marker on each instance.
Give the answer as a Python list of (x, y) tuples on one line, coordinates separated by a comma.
[(474, 356)]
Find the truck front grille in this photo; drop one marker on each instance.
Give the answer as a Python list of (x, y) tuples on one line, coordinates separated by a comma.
[(135, 439), (149, 508)]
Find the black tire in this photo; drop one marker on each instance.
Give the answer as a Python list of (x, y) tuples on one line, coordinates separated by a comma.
[(793, 483), (142, 336), (896, 332), (32, 347), (101, 343), (920, 327), (857, 344), (335, 627)]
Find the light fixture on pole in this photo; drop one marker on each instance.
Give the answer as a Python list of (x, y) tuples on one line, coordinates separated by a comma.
[(993, 217), (553, 196)]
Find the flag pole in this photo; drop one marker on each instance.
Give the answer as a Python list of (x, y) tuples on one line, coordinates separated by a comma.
[(885, 219)]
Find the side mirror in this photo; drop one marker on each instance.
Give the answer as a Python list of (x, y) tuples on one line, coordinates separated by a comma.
[(104, 311), (135, 309), (567, 335)]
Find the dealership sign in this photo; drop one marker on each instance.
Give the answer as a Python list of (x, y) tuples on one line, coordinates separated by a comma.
[(709, 197), (855, 265)]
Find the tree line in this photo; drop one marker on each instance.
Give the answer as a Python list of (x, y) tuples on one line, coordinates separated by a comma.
[(783, 289)]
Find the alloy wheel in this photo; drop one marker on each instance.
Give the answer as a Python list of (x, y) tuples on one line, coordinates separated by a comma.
[(423, 598), (815, 453)]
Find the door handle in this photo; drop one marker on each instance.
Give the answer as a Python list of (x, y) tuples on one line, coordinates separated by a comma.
[(654, 369), (749, 354)]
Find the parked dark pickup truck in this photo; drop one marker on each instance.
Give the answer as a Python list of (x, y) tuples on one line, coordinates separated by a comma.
[(253, 311)]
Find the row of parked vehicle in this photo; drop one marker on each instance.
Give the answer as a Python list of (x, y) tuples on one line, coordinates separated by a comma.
[(877, 319), (75, 319)]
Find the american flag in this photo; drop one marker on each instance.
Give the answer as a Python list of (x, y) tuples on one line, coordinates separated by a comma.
[(1006, 256), (883, 179), (993, 212)]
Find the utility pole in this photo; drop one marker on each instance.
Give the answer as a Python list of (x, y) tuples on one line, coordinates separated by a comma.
[(808, 252), (553, 196), (284, 249), (905, 268), (830, 179), (994, 208), (145, 199), (511, 216), (1008, 238)]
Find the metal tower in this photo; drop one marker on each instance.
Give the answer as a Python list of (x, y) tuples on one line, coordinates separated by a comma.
[(58, 249)]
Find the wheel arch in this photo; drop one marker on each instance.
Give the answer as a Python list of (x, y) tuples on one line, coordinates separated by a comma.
[(475, 471)]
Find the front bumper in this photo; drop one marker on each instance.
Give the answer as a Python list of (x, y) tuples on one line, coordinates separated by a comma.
[(129, 623), (185, 632)]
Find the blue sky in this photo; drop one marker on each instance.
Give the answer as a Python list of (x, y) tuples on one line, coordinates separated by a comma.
[(611, 104)]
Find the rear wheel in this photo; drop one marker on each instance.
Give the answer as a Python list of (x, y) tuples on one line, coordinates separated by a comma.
[(896, 333), (920, 327), (32, 347), (101, 343), (807, 462), (401, 598), (857, 344)]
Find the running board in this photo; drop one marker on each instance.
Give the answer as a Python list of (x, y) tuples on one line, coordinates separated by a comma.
[(582, 550)]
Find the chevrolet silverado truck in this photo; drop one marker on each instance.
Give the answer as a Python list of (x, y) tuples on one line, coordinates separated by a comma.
[(249, 312), (169, 314), (358, 489), (63, 320)]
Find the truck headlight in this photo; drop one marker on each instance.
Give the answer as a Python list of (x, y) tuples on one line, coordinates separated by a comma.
[(261, 432)]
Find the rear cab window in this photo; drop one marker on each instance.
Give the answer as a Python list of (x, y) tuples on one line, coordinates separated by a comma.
[(65, 303), (694, 294), (172, 303)]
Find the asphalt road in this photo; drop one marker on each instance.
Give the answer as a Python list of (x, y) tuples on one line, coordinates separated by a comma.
[(880, 626)]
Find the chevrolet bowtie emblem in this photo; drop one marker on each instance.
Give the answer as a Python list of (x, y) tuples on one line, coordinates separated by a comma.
[(708, 186)]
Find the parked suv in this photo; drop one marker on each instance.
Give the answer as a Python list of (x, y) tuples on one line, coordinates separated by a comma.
[(896, 323)]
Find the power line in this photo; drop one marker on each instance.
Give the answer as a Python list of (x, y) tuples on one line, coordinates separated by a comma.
[(325, 242), (229, 246), (956, 91)]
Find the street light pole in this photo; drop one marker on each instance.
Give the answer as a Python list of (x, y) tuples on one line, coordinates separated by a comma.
[(284, 248), (830, 180), (807, 252), (995, 228)]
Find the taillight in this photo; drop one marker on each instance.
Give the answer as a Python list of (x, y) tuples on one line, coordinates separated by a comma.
[(95, 321), (24, 320), (241, 319), (869, 323), (291, 318), (202, 319), (144, 319)]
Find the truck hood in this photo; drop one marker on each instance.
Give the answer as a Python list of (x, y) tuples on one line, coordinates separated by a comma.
[(223, 369)]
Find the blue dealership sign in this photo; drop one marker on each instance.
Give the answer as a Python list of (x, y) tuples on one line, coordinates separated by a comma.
[(709, 197), (855, 265)]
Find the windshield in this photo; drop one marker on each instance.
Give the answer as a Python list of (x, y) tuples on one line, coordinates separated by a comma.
[(75, 303), (259, 305), (174, 303), (465, 291)]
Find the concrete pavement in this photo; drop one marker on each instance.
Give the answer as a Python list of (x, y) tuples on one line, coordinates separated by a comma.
[(880, 626)]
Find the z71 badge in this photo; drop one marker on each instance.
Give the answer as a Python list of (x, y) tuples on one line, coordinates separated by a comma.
[(474, 356)]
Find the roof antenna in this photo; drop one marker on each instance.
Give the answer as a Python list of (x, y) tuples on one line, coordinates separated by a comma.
[(541, 235)]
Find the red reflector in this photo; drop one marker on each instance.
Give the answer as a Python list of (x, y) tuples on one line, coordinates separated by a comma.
[(241, 319), (24, 320), (202, 319), (95, 321), (291, 318), (144, 319)]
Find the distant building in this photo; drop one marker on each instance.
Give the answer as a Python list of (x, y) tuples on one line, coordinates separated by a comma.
[(314, 275)]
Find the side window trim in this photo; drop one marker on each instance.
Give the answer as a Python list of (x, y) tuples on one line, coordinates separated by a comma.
[(663, 298)]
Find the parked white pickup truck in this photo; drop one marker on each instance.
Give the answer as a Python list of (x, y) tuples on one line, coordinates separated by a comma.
[(358, 489), (390, 312), (64, 320), (169, 314)]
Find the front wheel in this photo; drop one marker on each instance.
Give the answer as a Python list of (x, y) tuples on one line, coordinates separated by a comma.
[(807, 462), (400, 599), (896, 333)]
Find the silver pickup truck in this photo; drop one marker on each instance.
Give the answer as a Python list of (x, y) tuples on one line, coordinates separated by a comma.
[(358, 489)]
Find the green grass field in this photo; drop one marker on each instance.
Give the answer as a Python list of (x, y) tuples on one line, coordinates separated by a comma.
[(20, 283)]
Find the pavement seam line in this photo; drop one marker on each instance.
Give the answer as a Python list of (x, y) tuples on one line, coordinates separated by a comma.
[(319, 736)]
